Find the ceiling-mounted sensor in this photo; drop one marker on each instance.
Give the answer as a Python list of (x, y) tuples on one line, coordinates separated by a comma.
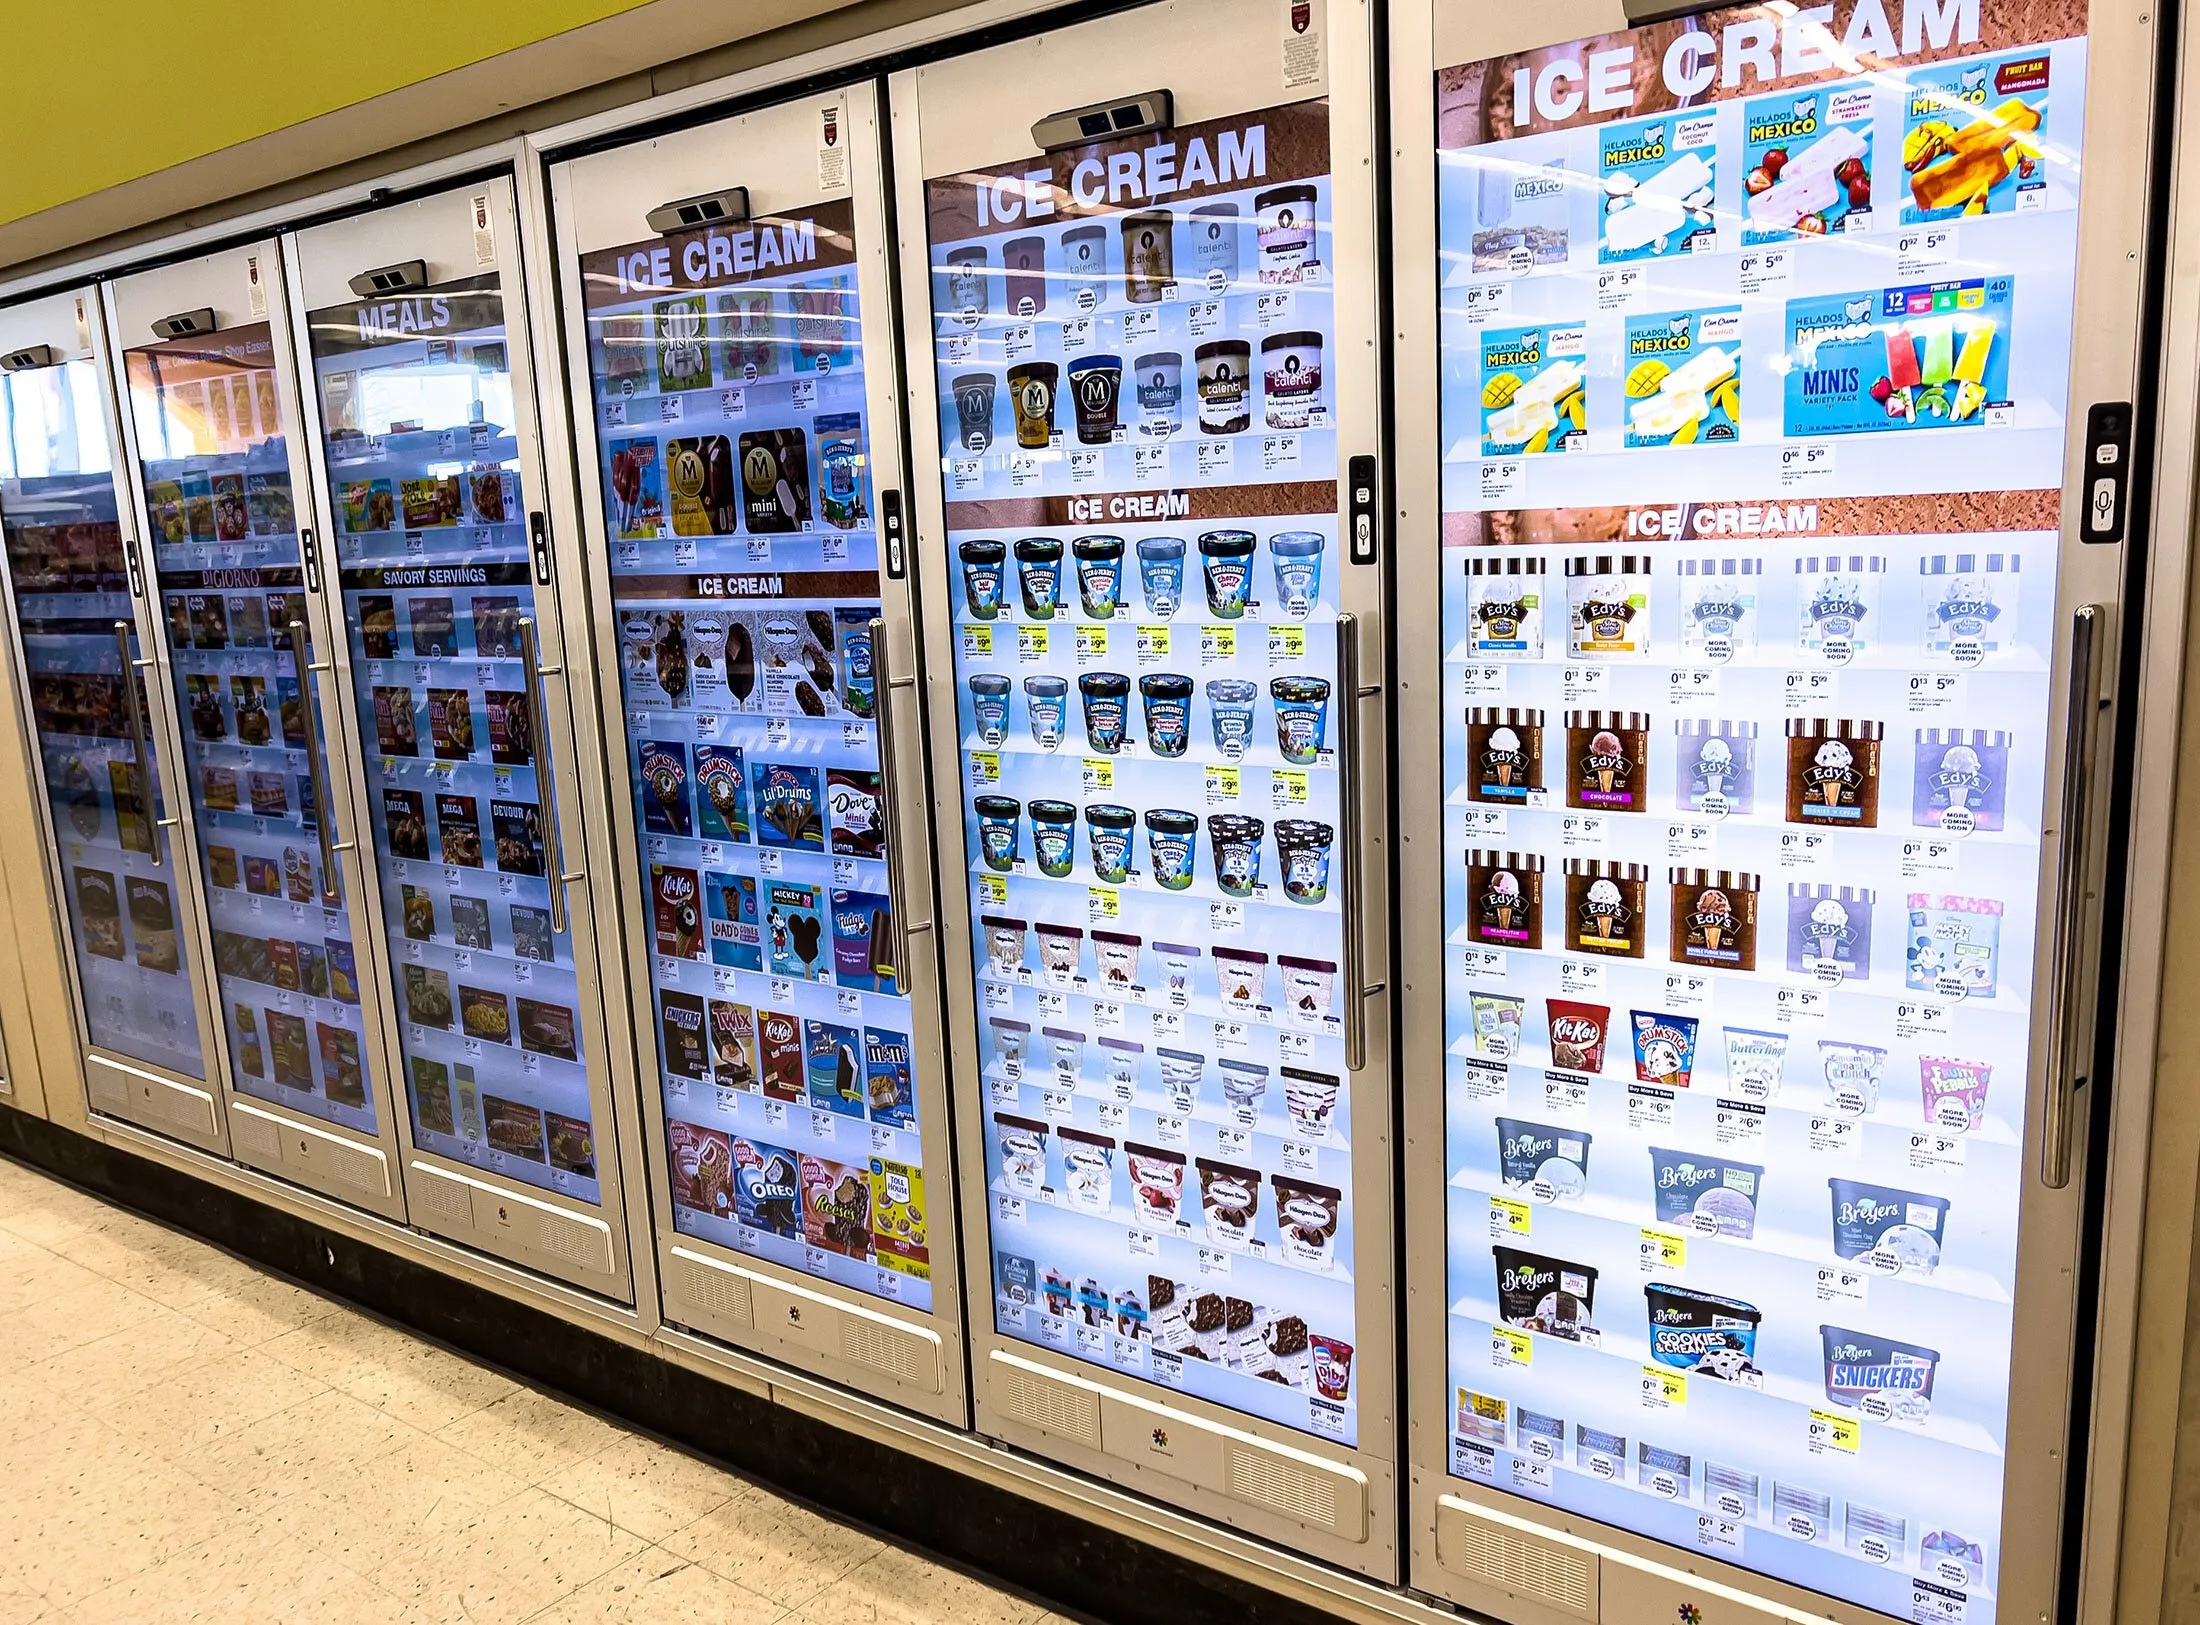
[(726, 208), (186, 324), (388, 279), (36, 355), (1104, 121)]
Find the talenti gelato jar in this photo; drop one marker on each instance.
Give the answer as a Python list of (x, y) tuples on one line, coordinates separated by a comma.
[(1954, 1092), (1970, 605), (1954, 946), (1291, 379), (1715, 918), (1715, 766), (1505, 898), (1608, 604), (1838, 599), (1225, 386), (1959, 780), (1157, 381), (1283, 226), (1719, 607), (1504, 753), (1608, 760), (1607, 907), (1829, 931), (1505, 606), (1833, 771)]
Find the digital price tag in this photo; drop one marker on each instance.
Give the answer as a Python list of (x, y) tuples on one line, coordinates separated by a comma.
[(1691, 841), (1738, 1122), (1764, 270), (1479, 301), (1663, 1389), (1214, 457), (1222, 785), (1586, 682), (1933, 1604), (1490, 964), (1809, 690), (1717, 1534), (1287, 787), (1092, 642), (1031, 643), (977, 642), (1485, 821), (1688, 990), (1226, 915), (1286, 644), (1582, 832), (1098, 773), (1150, 464), (1837, 1136), (985, 768), (1922, 856), (1924, 250), (1153, 644), (1504, 480), (1579, 973), (1649, 1109), (1829, 1432), (1805, 463), (1509, 1218), (1661, 1250), (1620, 287), (1510, 1347), (1483, 682), (1217, 643), (1931, 1150), (1801, 848), (1102, 903), (1837, 1283), (1920, 1018), (1691, 685), (1278, 452), (1936, 690)]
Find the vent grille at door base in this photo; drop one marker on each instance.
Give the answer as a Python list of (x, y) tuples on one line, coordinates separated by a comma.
[(1067, 1410), (722, 1292), (1515, 1561), (1270, 1480)]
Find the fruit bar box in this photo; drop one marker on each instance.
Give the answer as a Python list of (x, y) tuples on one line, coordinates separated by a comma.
[(1927, 356)]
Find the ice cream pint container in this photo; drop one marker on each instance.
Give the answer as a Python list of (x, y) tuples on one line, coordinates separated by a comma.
[(1106, 696), (1099, 561), (1309, 988), (1329, 1362), (1172, 846), (1608, 604), (1039, 575), (1663, 1471), (1954, 945), (1302, 717), (1755, 1061), (1546, 1159), (1235, 839), (1229, 1195), (1095, 394), (1302, 852), (1952, 1558), (1088, 1170), (1878, 1376), (966, 293), (1085, 267), (1004, 943), (983, 569), (1960, 779), (1829, 931), (1241, 975), (1838, 595), (1225, 386), (1704, 1333), (998, 825), (1970, 605), (1892, 1231), (1226, 564), (1243, 1085), (1665, 1048), (1046, 703), (1066, 1052), (1504, 753), (1833, 771), (1010, 1039), (1291, 380), (1149, 255), (1108, 830), (1577, 1032), (1307, 1217), (1954, 1092), (989, 706), (1505, 605), (1538, 1293), (1715, 766), (1168, 705), (1116, 955), (1714, 918), (1607, 760), (1023, 1144), (1157, 1182), (1719, 607), (1296, 558), (1177, 962), (1061, 948), (1024, 259), (1158, 380), (1161, 573), (1497, 1018), (1181, 1072), (1031, 392), (975, 393), (1230, 702), (1505, 898), (1852, 1074), (1283, 227), (1607, 907), (1214, 237), (1054, 837), (1800, 1513), (1710, 1195)]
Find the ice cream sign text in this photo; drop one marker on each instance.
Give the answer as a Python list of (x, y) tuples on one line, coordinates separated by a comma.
[(1765, 48), (713, 256), (1164, 169)]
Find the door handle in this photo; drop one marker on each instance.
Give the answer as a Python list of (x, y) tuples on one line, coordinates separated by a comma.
[(546, 787), (316, 769), (143, 767), (1350, 692), (2058, 1115), (887, 684)]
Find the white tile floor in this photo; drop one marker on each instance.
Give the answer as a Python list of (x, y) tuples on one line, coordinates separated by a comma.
[(184, 1438)]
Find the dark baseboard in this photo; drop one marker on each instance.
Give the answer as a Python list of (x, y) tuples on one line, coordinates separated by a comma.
[(1073, 1566)]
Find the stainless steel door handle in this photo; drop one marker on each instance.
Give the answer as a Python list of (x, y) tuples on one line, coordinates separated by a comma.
[(316, 768), (546, 787), (143, 766), (2058, 1116), (1350, 692), (886, 684)]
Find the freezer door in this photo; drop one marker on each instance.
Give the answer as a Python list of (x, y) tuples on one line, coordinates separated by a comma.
[(1158, 699), (74, 590), (1756, 647), (427, 480), (726, 296)]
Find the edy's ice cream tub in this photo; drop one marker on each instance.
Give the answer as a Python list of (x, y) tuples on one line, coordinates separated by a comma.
[(1715, 765), (1608, 604), (1833, 771), (1710, 1195), (1852, 1073), (1714, 918), (1577, 1034), (1607, 907), (1704, 1333), (1838, 595), (1960, 779), (1954, 946), (1829, 931), (1505, 606), (1895, 1232), (1970, 604), (1954, 1092), (1504, 753), (1548, 1160), (1607, 760), (1505, 898), (1538, 1293), (1719, 607), (1884, 1379), (1665, 1048), (1754, 1062)]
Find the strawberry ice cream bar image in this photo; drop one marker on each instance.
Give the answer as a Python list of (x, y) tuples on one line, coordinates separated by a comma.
[(1533, 408), (1683, 394), (1807, 184), (1642, 213)]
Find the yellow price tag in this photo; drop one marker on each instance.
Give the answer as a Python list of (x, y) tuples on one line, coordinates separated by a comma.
[(1663, 1386), (1662, 1249), (985, 767), (1509, 1347), (1222, 784), (1218, 643), (1092, 642), (1153, 643), (1287, 642), (978, 640), (1509, 1216), (1099, 773), (1830, 1430), (1102, 903), (1287, 787), (1031, 641), (992, 890)]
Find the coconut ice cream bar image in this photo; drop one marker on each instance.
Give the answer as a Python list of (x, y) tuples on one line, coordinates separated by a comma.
[(1683, 393), (1533, 407), (1643, 211), (1806, 184)]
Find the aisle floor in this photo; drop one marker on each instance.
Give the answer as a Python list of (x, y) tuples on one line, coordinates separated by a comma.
[(184, 1437)]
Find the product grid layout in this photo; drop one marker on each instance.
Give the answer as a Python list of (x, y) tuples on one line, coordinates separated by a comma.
[(1744, 780), (744, 560)]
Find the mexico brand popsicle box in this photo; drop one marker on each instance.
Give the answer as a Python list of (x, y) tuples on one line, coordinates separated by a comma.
[(1807, 163), (1930, 356), (1684, 377), (1533, 396), (1972, 135), (1658, 175)]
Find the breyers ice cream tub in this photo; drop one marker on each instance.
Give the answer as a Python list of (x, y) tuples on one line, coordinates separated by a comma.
[(1538, 1293), (1719, 607), (1895, 1232), (1970, 605), (1829, 931), (1879, 1377), (1608, 604), (1704, 1333), (1505, 898), (1607, 906), (1549, 1161), (1505, 606), (1607, 760), (1833, 771), (1504, 753), (1708, 1194), (1838, 599), (1959, 781), (1715, 765)]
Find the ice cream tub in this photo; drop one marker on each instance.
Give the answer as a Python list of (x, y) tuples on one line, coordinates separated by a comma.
[(1714, 918), (1607, 907), (1954, 945), (1116, 955), (1504, 753), (1099, 561), (1329, 1362), (1226, 565), (1121, 1061), (1549, 1161), (1023, 1144), (1039, 575), (989, 706), (1505, 898), (1177, 962), (1066, 1050), (1539, 1293), (1243, 1085), (1577, 1032), (1307, 1216), (1004, 943), (1291, 379), (1181, 1074), (1061, 947), (984, 567), (1829, 931), (1310, 1099), (1296, 558), (1505, 605), (1954, 1092), (1085, 266), (1157, 1183), (1715, 765), (999, 823), (1755, 1061), (1838, 595), (1959, 779), (1168, 704), (1607, 760), (1108, 832), (1719, 607), (1283, 227), (1230, 703), (1800, 1513), (1666, 1473), (1710, 1195), (1242, 975), (1088, 1170), (1302, 717), (1892, 1231), (1497, 1018), (1309, 987), (974, 397), (1161, 573), (1095, 394), (1172, 845), (1852, 1073), (1970, 604), (1214, 236), (1880, 1377), (1046, 703), (1833, 771), (1235, 839), (1732, 1492), (1608, 604), (1225, 386), (1229, 1198), (1665, 1048), (1106, 696), (1149, 255), (1302, 853), (1054, 837), (1704, 1333), (1158, 380)]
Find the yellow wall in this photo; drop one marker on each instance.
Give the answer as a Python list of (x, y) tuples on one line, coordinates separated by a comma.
[(112, 91)]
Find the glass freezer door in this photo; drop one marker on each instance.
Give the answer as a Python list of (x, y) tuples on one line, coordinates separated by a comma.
[(69, 586)]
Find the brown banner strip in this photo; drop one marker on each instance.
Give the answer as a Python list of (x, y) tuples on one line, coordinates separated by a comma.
[(1943, 513), (1188, 504)]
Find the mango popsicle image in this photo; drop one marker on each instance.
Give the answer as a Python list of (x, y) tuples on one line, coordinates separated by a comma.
[(1962, 166)]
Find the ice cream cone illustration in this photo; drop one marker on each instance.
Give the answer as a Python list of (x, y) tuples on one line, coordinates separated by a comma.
[(1505, 898), (1606, 749), (1959, 771), (1504, 753), (1604, 909), (1834, 758), (1712, 935)]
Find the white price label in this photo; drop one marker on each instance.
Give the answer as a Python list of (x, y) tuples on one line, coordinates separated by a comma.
[(1688, 990), (1215, 457), (1691, 685), (1581, 974), (1805, 462), (1933, 1150), (1809, 690), (1801, 848), (1920, 1018), (1504, 480), (1486, 821), (1491, 964), (1738, 1122), (1479, 301), (1691, 841), (1278, 452), (1150, 464), (1921, 856), (1483, 681), (1923, 250), (1649, 1108), (1587, 682), (1620, 287), (1799, 1004), (1582, 831), (1937, 690), (1764, 270), (1837, 1283), (1839, 1136)]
